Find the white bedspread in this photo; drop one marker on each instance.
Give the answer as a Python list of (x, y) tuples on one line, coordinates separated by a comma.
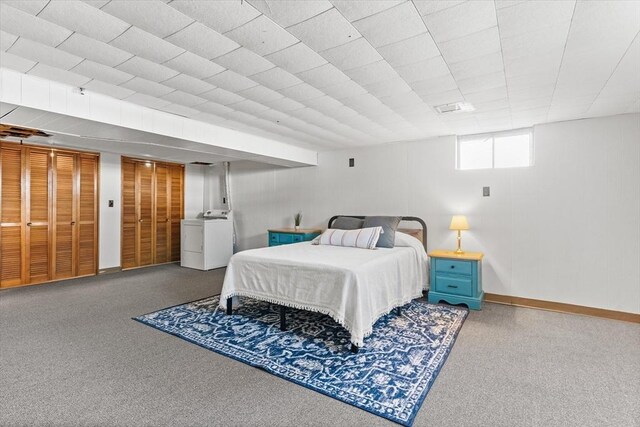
[(354, 286)]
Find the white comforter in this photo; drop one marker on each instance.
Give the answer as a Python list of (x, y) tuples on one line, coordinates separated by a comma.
[(354, 286)]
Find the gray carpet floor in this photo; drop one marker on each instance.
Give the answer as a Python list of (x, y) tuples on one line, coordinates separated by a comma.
[(71, 355)]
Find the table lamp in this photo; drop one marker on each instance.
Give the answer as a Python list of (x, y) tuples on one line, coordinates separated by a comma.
[(459, 222)]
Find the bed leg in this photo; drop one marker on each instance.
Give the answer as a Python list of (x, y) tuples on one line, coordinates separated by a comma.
[(354, 349), (283, 318), (399, 311), (229, 305)]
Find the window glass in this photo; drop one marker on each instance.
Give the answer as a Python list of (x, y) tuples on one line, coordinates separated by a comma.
[(512, 151), (475, 154)]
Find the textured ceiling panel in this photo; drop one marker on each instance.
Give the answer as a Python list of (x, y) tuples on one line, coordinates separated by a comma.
[(338, 73), (85, 19)]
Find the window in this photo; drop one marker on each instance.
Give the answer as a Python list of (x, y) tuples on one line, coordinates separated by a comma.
[(511, 149)]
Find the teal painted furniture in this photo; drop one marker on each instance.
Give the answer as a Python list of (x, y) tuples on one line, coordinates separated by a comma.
[(456, 278), (285, 236)]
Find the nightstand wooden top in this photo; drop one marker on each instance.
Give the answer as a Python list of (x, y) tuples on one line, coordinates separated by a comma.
[(470, 256), (294, 231)]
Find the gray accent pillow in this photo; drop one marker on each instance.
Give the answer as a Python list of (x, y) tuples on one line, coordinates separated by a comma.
[(389, 226), (347, 223)]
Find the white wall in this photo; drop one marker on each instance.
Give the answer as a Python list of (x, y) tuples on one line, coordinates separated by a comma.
[(566, 229), (110, 189), (110, 218)]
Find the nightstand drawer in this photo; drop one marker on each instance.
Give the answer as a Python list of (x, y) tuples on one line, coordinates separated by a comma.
[(274, 238), (298, 238), (453, 266), (285, 238), (457, 285)]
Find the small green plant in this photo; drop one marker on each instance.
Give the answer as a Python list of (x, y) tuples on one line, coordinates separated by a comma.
[(297, 218)]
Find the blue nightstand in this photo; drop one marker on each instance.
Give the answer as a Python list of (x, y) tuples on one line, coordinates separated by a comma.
[(456, 278), (284, 236)]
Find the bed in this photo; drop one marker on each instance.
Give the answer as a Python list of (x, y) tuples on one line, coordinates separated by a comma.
[(354, 286)]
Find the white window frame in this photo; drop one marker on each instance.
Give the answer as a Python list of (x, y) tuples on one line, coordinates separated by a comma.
[(493, 136)]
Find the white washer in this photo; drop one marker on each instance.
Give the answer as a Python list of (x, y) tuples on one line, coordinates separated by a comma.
[(207, 243)]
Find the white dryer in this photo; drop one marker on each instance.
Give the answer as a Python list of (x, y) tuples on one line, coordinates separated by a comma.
[(207, 242)]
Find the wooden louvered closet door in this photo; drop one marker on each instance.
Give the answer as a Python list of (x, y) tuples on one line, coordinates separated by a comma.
[(11, 216), (64, 214), (49, 214), (152, 208), (37, 238), (163, 205)]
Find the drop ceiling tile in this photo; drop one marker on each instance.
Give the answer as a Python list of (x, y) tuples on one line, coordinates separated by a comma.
[(222, 16), (487, 95), (323, 103), (188, 84), (146, 45), (155, 17), (536, 42), (356, 10), (273, 115), (194, 65), (414, 49), (6, 40), (58, 75), (461, 20), (231, 81), (183, 98), (624, 79), (94, 50), (32, 7), (15, 62), (180, 110), (388, 87), (344, 90), (46, 54), (149, 70), (434, 86), (276, 78), (23, 24), (533, 92), (108, 89), (351, 55), (138, 84), (84, 19), (471, 46), (479, 83), (296, 58), (261, 94), (101, 72), (191, 38), (249, 106), (530, 103), (496, 104), (361, 102), (301, 92), (530, 16), (327, 30), (322, 76), (399, 100), (221, 96), (442, 98), (427, 69), (284, 104), (147, 101), (478, 66), (392, 25), (262, 35), (548, 62), (244, 62), (426, 7), (500, 4), (290, 12), (372, 73)]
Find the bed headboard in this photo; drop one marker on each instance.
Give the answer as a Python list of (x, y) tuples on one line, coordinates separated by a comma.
[(417, 233)]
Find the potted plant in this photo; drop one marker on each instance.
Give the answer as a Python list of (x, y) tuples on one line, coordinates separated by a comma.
[(297, 220)]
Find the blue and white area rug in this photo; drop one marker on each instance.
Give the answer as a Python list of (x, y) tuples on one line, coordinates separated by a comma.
[(389, 377)]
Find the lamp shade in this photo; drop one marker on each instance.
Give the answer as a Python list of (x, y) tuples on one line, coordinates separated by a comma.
[(459, 222)]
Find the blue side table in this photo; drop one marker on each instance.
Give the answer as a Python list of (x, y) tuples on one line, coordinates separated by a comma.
[(284, 236), (456, 278)]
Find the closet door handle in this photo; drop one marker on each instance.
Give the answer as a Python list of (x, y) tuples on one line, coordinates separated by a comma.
[(140, 220), (73, 223), (28, 224), (167, 220)]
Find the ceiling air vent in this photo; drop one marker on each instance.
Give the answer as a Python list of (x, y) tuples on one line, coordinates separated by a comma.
[(201, 163), (454, 108)]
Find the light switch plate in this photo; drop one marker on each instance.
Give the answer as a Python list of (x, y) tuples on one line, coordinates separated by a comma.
[(486, 191)]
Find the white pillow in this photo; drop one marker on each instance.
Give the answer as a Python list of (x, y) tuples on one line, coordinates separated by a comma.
[(365, 238)]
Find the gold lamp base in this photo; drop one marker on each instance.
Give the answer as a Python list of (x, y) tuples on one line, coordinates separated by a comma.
[(459, 251)]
